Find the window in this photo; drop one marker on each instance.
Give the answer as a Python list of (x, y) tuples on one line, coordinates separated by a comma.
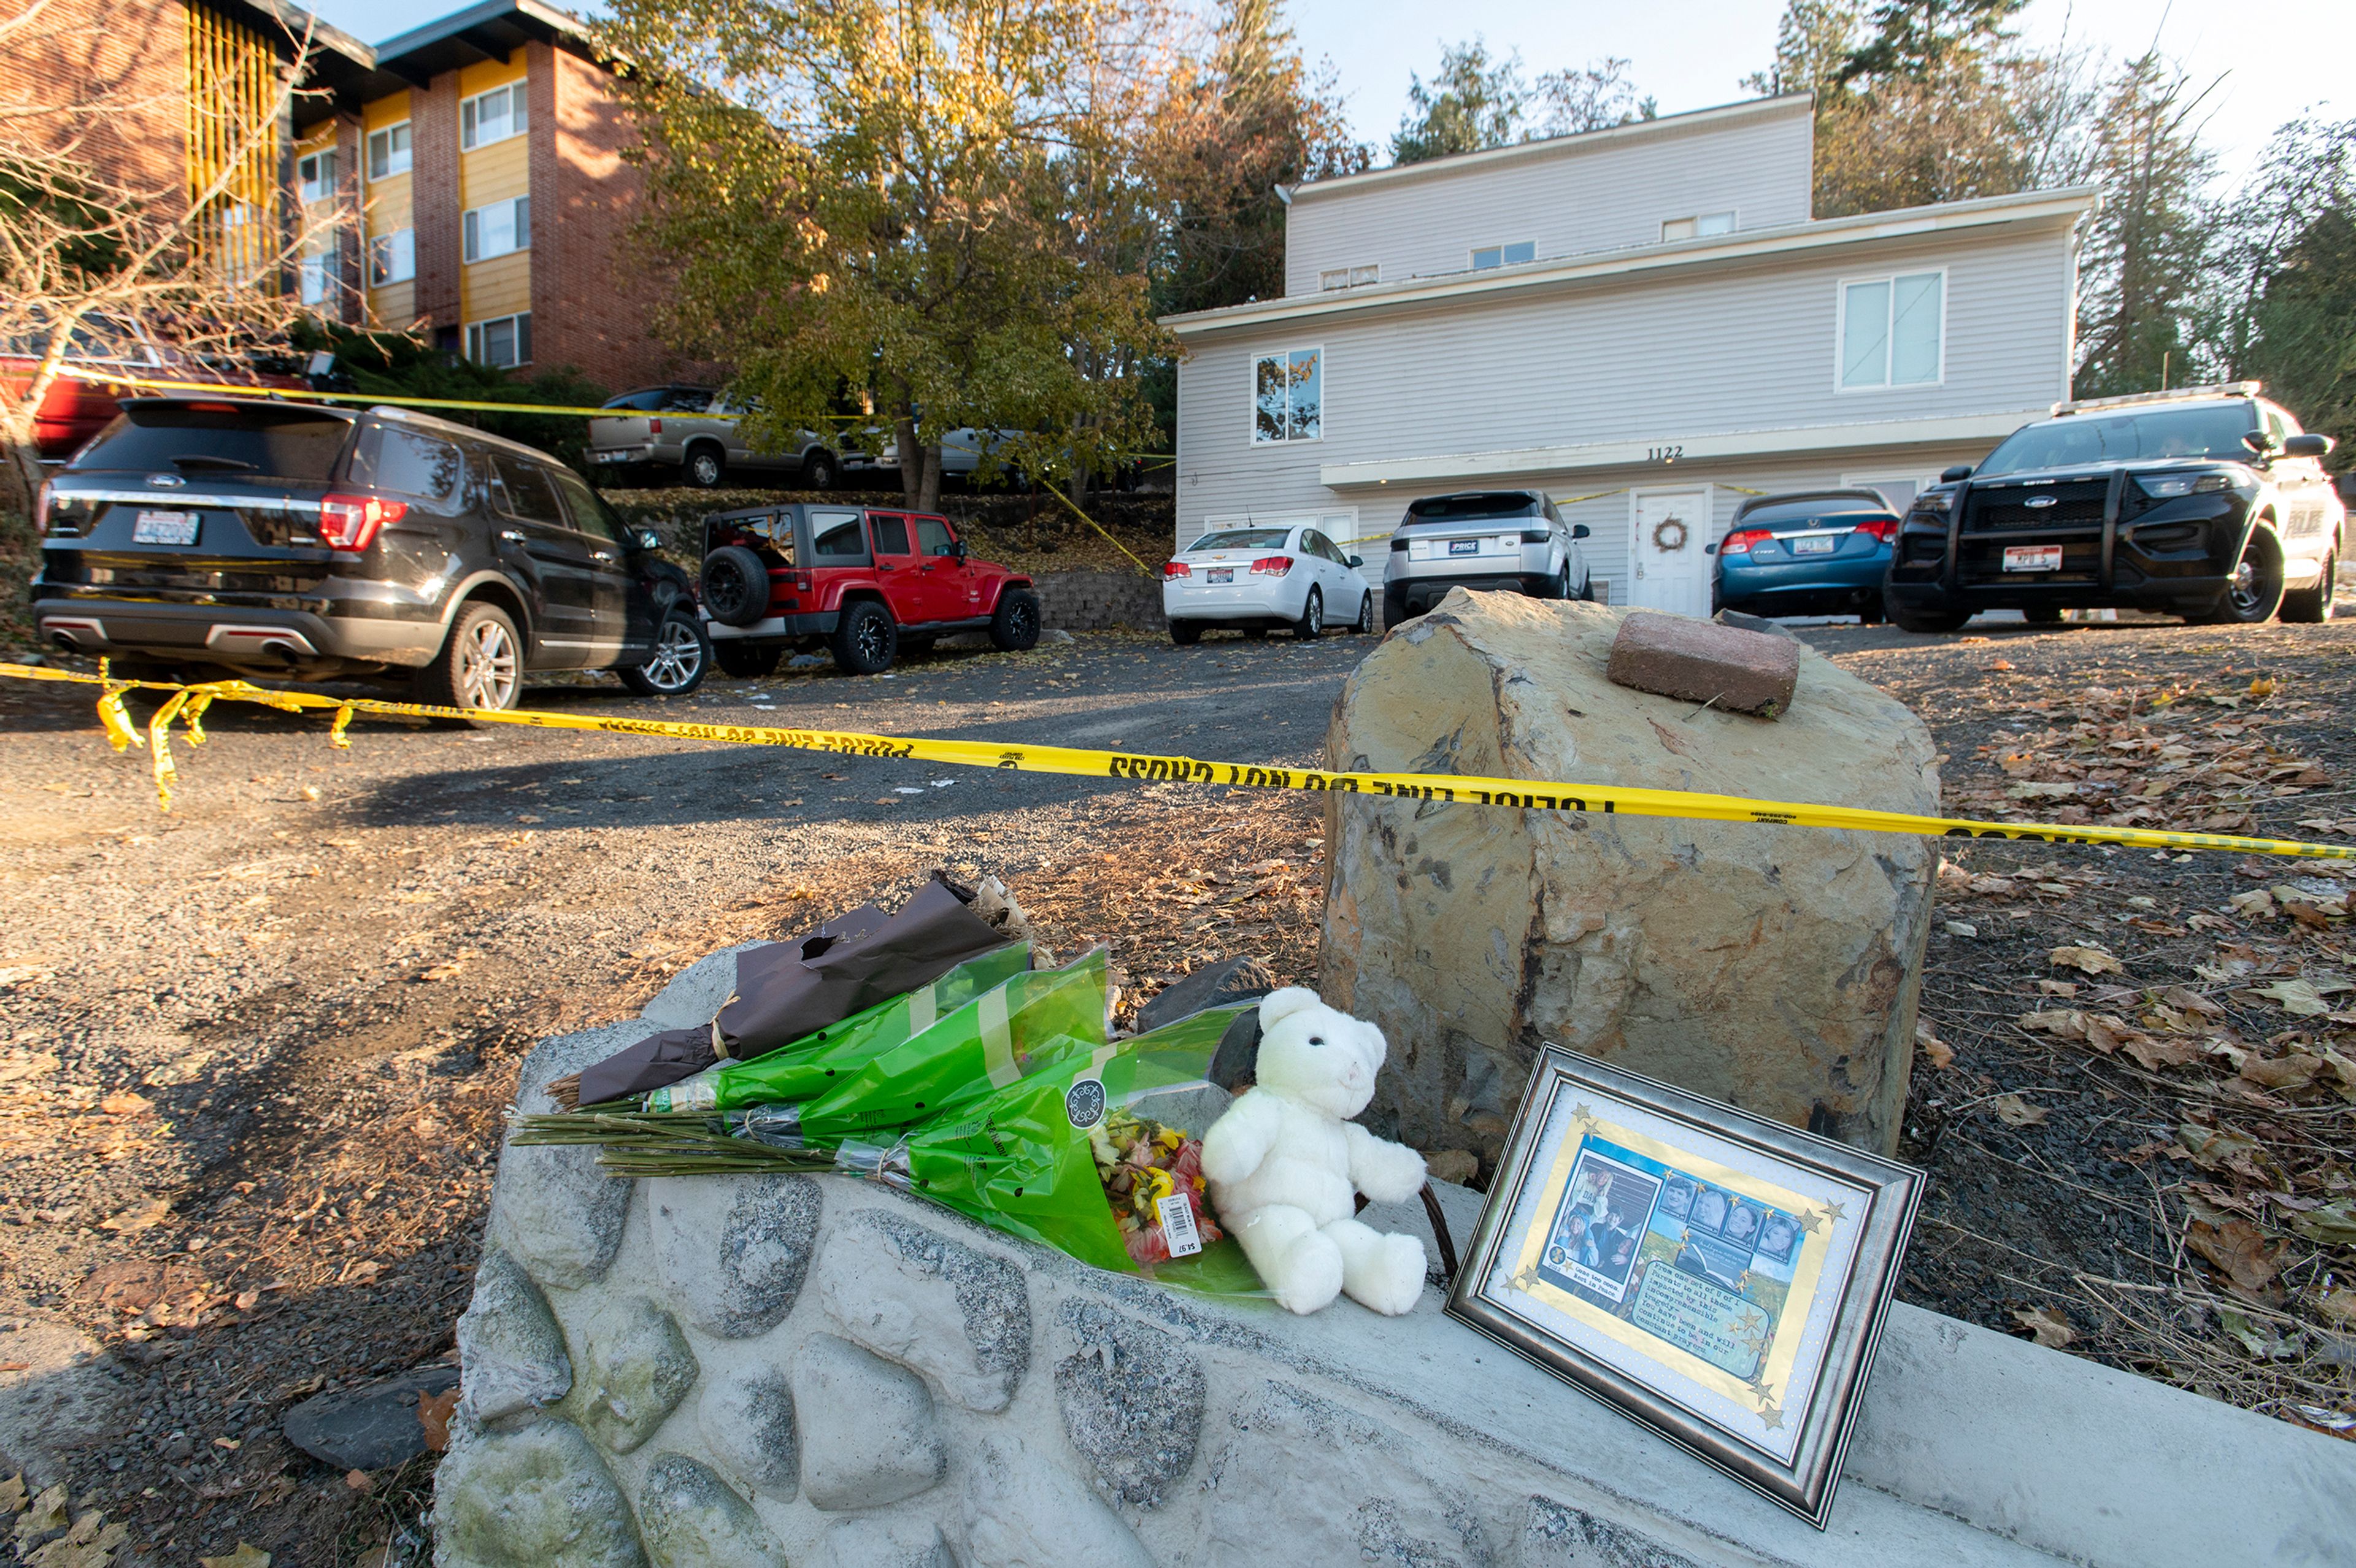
[(1897, 490), (1288, 396), (891, 535), (388, 151), (497, 229), (1242, 538), (524, 489), (1512, 255), (411, 462), (392, 258), (663, 401), (502, 341), (837, 534), (1349, 277), (1693, 228), (492, 116), (316, 172), (933, 538), (1892, 331), (591, 516), (316, 274)]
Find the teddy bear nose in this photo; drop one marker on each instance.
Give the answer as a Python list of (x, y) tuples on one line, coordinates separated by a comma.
[(1316, 1039)]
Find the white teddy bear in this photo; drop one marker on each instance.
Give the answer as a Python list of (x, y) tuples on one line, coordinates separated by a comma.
[(1284, 1161)]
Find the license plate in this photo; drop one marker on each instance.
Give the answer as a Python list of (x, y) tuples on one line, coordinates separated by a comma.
[(1465, 546), (1819, 544), (609, 457), (1222, 574), (2032, 558), (164, 528)]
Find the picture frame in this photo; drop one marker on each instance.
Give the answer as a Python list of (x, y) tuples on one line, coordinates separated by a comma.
[(1717, 1276)]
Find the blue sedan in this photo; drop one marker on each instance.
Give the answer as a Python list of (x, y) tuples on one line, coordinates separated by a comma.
[(1821, 552)]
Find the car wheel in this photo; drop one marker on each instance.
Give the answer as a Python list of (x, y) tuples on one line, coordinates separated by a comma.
[(746, 661), (1870, 613), (1558, 585), (1014, 625), (681, 656), (1312, 624), (2310, 607), (865, 639), (480, 666), (1394, 608), (819, 472), (1925, 619), (1365, 621), (735, 586), (705, 467), (1185, 633), (1587, 590), (2256, 590)]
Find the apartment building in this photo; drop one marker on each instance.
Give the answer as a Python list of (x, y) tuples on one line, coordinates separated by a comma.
[(1646, 323)]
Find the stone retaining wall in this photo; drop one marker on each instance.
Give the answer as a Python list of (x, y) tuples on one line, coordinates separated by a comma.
[(754, 1372), (1098, 600)]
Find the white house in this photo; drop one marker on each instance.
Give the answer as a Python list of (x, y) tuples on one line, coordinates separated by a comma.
[(1644, 322)]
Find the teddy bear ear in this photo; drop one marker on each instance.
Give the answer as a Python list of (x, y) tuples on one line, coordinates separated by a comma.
[(1283, 1004)]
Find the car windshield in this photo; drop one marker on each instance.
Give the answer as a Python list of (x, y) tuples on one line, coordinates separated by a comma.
[(663, 401), (297, 445), (1826, 513), (2214, 430), (1242, 538), (1457, 508)]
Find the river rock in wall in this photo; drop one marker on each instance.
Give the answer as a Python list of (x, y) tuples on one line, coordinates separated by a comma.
[(1776, 967)]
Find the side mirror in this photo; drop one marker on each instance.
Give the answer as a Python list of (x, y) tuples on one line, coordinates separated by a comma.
[(1949, 475), (2309, 445), (646, 538), (1580, 531), (2260, 441), (1356, 561), (957, 550)]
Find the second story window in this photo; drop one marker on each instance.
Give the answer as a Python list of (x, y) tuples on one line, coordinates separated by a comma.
[(1288, 396), (388, 151), (492, 116), (1696, 228), (392, 258), (1512, 255), (316, 173), (496, 229), (1892, 331), (1333, 277)]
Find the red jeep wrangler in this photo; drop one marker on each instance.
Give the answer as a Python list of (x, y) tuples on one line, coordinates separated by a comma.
[(863, 582)]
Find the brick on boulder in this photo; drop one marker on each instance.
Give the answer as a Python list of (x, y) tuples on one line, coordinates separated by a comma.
[(1725, 666)]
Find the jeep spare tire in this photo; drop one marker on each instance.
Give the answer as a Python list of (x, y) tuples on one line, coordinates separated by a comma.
[(735, 586)]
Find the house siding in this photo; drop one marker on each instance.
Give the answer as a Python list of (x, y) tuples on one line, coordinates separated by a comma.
[(1568, 198), (1660, 358)]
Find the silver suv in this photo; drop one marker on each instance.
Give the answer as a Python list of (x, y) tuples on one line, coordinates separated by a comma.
[(1510, 542), (685, 428)]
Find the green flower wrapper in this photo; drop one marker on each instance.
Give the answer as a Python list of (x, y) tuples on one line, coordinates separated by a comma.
[(1030, 1021), (1087, 1155), (813, 1064)]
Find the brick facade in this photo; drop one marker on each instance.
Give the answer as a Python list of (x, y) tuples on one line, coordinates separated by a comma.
[(130, 56), (434, 199)]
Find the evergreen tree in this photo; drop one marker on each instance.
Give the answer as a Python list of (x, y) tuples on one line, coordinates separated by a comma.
[(2146, 248), (1473, 104)]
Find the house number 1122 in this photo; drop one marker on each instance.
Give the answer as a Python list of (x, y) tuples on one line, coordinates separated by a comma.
[(1664, 453)]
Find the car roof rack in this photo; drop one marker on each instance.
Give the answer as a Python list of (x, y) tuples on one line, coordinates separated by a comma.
[(2173, 395)]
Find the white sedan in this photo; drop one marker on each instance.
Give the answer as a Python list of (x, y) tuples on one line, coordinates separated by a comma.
[(1256, 579)]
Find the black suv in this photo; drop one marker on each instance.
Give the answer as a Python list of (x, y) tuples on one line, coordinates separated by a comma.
[(2209, 503), (308, 543)]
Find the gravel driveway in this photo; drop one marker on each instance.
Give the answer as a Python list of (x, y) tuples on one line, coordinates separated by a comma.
[(254, 1051)]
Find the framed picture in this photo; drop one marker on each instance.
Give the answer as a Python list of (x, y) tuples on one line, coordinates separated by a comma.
[(1717, 1276)]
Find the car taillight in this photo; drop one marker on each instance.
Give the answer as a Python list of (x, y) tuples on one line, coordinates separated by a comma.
[(1272, 566), (800, 581), (1883, 528), (1176, 569), (351, 522), (1739, 541), (654, 427)]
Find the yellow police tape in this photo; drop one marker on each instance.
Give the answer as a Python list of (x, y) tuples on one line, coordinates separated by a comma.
[(186, 703)]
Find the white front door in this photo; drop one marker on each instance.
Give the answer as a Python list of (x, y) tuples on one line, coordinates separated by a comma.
[(1671, 572)]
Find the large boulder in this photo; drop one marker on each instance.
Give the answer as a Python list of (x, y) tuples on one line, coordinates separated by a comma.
[(1776, 967)]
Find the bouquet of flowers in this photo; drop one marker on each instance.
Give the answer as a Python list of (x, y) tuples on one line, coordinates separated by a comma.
[(1143, 1165)]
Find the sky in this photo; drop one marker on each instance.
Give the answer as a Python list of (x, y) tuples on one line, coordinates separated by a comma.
[(2277, 61)]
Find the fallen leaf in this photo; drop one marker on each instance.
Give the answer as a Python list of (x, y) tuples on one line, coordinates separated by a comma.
[(2052, 1329), (2015, 1112), (12, 1494), (140, 1218), (1937, 1051), (2152, 1054), (247, 1300), (2214, 1148), (2333, 1225), (2340, 1306), (2295, 1070), (2000, 665), (2298, 997), (2262, 687), (2239, 1250), (2091, 960), (247, 1555), (2058, 987), (2064, 1023), (126, 1104), (434, 1411), (358, 1480)]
